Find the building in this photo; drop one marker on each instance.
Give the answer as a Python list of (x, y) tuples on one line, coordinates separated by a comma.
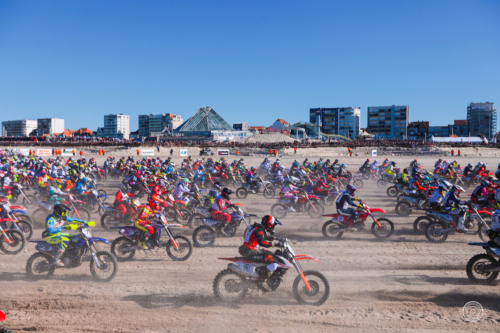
[(49, 126), (418, 130), (438, 131), (241, 127), (388, 122), (280, 124), (18, 127), (459, 128), (207, 124), (116, 126), (156, 123), (482, 119), (338, 121)]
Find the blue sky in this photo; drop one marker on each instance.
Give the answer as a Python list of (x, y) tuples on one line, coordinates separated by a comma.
[(252, 61)]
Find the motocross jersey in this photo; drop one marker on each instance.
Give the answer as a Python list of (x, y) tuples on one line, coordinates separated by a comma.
[(257, 237), (495, 220), (220, 204), (451, 200), (180, 189), (437, 196), (344, 201)]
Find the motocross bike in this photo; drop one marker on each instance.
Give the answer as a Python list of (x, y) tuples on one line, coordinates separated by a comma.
[(308, 203), (483, 268), (357, 182), (266, 187), (112, 216), (103, 264), (20, 220), (233, 283), (17, 192), (95, 201), (99, 174), (437, 231), (210, 228), (407, 203), (381, 227), (178, 247), (11, 241)]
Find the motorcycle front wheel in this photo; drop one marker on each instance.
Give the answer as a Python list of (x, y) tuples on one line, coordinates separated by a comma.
[(241, 193), (108, 266), (385, 230), (318, 292), (182, 252)]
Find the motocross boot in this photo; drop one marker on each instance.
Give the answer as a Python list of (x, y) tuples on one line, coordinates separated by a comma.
[(262, 279), (58, 262), (460, 225)]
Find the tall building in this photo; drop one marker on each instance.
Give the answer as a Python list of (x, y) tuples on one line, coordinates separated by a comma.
[(482, 119), (155, 123), (338, 121), (388, 122), (18, 127), (50, 126), (116, 126)]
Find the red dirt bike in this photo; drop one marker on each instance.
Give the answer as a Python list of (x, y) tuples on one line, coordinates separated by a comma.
[(11, 241), (233, 283), (308, 203), (381, 228)]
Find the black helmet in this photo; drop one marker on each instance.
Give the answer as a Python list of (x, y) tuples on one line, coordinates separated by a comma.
[(269, 222), (393, 163), (218, 185), (61, 212), (225, 193)]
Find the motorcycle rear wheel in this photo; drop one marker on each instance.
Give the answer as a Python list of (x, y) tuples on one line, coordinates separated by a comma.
[(119, 244), (329, 230), (17, 242), (35, 269), (279, 210), (241, 193), (403, 208), (226, 282), (419, 225), (392, 191), (204, 236)]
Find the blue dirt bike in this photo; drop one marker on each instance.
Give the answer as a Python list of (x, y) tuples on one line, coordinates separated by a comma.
[(103, 265)]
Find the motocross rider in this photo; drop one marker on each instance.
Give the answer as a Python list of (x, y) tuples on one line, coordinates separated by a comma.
[(53, 226), (259, 237), (451, 205), (222, 203), (344, 200)]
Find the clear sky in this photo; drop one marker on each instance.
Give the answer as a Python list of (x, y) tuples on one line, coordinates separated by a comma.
[(252, 61)]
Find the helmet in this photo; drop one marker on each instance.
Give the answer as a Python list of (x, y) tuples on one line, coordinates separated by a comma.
[(125, 187), (225, 193), (218, 185), (185, 181), (485, 165), (336, 161), (172, 164), (200, 167), (457, 190), (351, 189), (443, 186), (405, 170), (368, 160), (281, 168), (375, 161), (44, 173), (485, 183), (393, 163), (162, 184), (154, 204), (269, 222), (61, 212), (343, 166), (470, 165), (252, 169)]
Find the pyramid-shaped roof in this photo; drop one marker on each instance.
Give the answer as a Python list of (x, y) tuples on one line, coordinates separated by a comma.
[(205, 119)]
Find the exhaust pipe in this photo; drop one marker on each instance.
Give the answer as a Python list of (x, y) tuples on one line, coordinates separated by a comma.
[(236, 269)]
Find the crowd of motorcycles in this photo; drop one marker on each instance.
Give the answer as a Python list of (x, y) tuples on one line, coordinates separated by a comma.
[(306, 189)]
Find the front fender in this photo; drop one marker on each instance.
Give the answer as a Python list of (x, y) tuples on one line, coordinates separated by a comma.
[(18, 211), (97, 239), (377, 210), (305, 257)]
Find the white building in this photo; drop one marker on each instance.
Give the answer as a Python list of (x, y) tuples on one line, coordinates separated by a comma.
[(344, 121), (116, 126), (280, 124), (50, 126), (18, 127)]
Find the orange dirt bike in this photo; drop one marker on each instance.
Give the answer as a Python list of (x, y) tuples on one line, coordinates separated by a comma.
[(335, 228), (241, 275)]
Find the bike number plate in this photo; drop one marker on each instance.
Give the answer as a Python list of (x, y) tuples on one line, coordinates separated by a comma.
[(210, 221), (44, 247)]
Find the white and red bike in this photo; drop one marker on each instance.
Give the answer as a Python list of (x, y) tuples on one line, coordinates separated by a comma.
[(233, 283)]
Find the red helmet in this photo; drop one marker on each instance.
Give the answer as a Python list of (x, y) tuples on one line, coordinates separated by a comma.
[(269, 222), (368, 160)]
